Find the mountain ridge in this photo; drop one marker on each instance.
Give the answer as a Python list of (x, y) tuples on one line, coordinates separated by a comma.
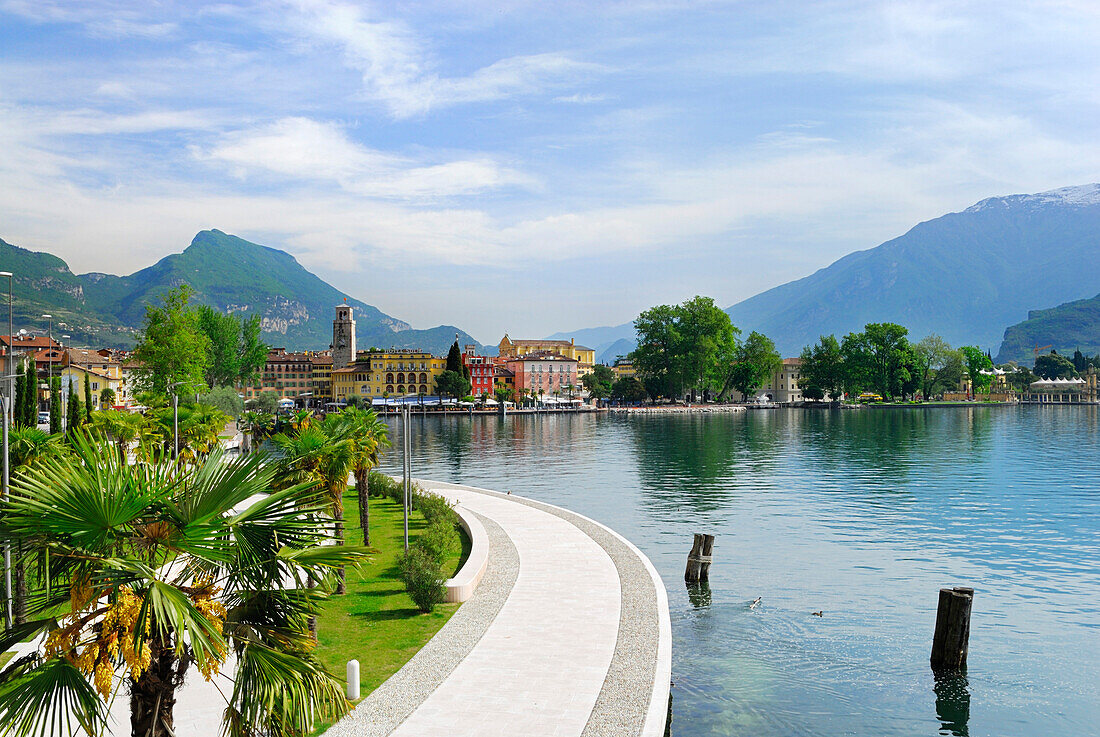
[(226, 272), (1067, 327)]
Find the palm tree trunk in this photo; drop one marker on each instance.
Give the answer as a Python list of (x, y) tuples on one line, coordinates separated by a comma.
[(153, 696), (341, 574), (362, 489), (19, 586)]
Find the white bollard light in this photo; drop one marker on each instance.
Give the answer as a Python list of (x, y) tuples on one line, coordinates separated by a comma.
[(352, 689)]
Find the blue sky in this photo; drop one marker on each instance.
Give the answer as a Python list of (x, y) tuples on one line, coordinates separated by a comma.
[(532, 166)]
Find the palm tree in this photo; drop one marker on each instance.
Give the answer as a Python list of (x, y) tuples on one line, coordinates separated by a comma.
[(257, 425), (320, 455), (159, 567), (122, 427), (28, 447), (368, 436)]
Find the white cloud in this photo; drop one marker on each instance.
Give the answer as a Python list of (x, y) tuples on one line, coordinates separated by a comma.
[(300, 149), (398, 71)]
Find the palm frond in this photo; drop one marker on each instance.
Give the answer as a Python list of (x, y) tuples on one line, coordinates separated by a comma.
[(39, 697)]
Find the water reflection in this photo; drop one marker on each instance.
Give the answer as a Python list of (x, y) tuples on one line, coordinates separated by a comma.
[(699, 594), (953, 704)]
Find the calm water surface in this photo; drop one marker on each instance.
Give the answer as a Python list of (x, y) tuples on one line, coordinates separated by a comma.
[(862, 515)]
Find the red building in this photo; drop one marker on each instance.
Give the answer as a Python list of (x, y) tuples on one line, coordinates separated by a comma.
[(481, 370)]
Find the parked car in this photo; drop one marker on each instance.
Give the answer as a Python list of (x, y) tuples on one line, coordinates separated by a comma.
[(43, 418)]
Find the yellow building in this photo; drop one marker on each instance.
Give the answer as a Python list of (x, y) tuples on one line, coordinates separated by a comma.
[(623, 368), (98, 379), (584, 356), (377, 374)]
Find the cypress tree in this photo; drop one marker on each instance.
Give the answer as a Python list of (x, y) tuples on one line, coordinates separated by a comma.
[(30, 406), (73, 409), (87, 397), (454, 359), (20, 397), (55, 405)]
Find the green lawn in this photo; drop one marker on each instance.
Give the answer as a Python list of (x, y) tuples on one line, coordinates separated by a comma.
[(376, 622)]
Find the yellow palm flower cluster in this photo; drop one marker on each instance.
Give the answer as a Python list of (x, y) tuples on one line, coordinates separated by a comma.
[(215, 613), (112, 636)]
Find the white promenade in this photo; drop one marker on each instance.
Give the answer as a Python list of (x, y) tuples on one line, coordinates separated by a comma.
[(541, 664)]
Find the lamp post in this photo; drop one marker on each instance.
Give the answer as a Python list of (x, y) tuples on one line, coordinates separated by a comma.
[(8, 417), (9, 364)]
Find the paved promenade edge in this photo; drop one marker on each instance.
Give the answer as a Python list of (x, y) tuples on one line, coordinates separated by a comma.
[(384, 709), (635, 693)]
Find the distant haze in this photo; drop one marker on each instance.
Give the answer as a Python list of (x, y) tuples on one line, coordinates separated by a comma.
[(531, 167)]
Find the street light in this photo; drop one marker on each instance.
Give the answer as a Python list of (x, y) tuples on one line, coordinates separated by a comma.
[(49, 381), (8, 417)]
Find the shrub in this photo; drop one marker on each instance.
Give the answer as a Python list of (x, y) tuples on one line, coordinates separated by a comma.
[(439, 540), (434, 507), (423, 578), (380, 485)]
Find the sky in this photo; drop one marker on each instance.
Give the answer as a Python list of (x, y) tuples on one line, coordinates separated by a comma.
[(532, 167)]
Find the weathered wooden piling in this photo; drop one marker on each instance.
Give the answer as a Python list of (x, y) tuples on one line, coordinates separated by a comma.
[(952, 638), (698, 565)]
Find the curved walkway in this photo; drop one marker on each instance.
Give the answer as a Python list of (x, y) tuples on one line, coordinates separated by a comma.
[(567, 634)]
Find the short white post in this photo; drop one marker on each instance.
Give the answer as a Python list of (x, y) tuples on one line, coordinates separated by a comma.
[(352, 689)]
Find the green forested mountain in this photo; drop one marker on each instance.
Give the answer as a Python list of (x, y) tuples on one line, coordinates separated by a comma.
[(1066, 328), (229, 273), (965, 275)]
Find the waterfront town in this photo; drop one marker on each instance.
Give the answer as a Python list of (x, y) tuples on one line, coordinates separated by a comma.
[(543, 372)]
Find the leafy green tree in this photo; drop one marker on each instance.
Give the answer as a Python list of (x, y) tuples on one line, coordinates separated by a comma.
[(686, 347), (225, 398), (754, 362), (115, 602), (878, 359), (628, 389), (264, 402), (1054, 366), (252, 355), (55, 405), (106, 397), (504, 393), (452, 384), (598, 381), (172, 348), (223, 333), (977, 362), (821, 372), (656, 359), (930, 355), (1020, 378)]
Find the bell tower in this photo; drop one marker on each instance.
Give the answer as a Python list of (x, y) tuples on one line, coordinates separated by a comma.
[(343, 337)]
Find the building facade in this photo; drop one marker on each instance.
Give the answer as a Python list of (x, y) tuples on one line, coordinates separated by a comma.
[(481, 370), (382, 374), (623, 368), (544, 374), (584, 356)]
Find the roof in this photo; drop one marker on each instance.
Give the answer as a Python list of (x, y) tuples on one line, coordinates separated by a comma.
[(27, 342), (541, 342), (82, 355)]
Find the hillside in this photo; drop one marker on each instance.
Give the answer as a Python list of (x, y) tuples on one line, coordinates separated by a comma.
[(43, 284), (226, 272), (964, 275), (1066, 327)]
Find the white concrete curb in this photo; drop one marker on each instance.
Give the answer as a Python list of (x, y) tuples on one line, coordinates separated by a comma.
[(461, 587)]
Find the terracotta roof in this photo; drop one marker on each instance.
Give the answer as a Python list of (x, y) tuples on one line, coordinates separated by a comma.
[(24, 342)]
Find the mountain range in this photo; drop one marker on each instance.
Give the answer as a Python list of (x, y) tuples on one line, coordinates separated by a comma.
[(226, 272), (1066, 328), (965, 276)]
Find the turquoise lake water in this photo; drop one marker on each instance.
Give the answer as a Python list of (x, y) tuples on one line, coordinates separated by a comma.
[(862, 515)]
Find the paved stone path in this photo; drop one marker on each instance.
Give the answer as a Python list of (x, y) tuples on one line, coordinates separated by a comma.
[(561, 656)]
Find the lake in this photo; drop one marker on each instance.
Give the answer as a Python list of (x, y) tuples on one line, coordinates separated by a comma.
[(859, 514)]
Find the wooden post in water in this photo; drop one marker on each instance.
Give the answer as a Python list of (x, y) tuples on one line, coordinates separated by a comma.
[(698, 565), (952, 637)]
